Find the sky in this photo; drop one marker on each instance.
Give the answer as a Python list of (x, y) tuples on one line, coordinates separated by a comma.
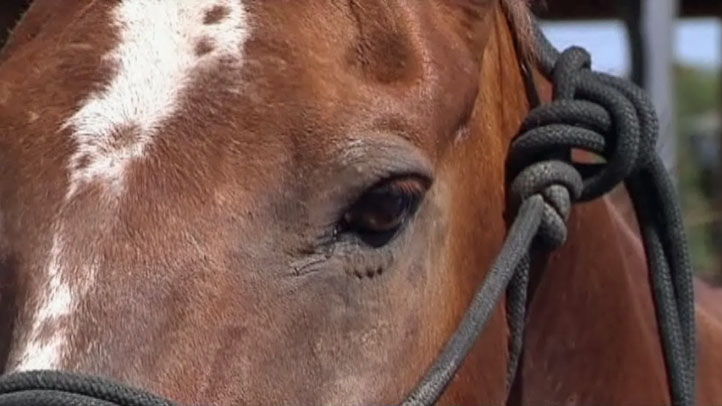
[(698, 42)]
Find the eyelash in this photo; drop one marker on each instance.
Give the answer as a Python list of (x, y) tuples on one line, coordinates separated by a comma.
[(378, 216)]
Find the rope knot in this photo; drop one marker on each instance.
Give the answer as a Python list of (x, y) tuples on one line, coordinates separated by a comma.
[(593, 112), (558, 184)]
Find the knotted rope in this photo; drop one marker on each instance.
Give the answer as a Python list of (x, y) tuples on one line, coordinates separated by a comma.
[(613, 119)]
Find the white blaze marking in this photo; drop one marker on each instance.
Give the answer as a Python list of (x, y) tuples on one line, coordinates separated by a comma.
[(57, 304), (155, 60)]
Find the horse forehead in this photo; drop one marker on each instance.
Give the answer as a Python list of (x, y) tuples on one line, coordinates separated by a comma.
[(161, 46)]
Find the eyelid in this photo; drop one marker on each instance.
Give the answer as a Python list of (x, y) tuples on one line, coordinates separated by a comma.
[(368, 162), (411, 184)]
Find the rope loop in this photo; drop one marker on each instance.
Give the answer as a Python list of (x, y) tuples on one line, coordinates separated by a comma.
[(565, 73), (592, 112)]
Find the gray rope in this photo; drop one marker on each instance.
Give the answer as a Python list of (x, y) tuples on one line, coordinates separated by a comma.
[(615, 120), (590, 111), (55, 388)]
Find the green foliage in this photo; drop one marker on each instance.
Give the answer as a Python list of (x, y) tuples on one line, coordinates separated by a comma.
[(698, 91), (698, 100)]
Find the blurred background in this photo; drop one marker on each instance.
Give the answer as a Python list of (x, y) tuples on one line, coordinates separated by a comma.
[(673, 48)]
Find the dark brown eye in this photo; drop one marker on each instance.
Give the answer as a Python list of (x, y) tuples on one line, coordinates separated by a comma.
[(380, 212)]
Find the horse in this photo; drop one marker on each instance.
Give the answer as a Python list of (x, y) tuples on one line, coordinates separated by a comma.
[(257, 202)]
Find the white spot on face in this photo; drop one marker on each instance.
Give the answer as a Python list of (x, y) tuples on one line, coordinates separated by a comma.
[(155, 61)]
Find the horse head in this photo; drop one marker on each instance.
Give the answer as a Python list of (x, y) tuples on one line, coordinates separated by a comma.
[(267, 202), (275, 202)]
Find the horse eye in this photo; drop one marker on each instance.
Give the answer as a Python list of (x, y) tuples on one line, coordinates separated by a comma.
[(381, 211)]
